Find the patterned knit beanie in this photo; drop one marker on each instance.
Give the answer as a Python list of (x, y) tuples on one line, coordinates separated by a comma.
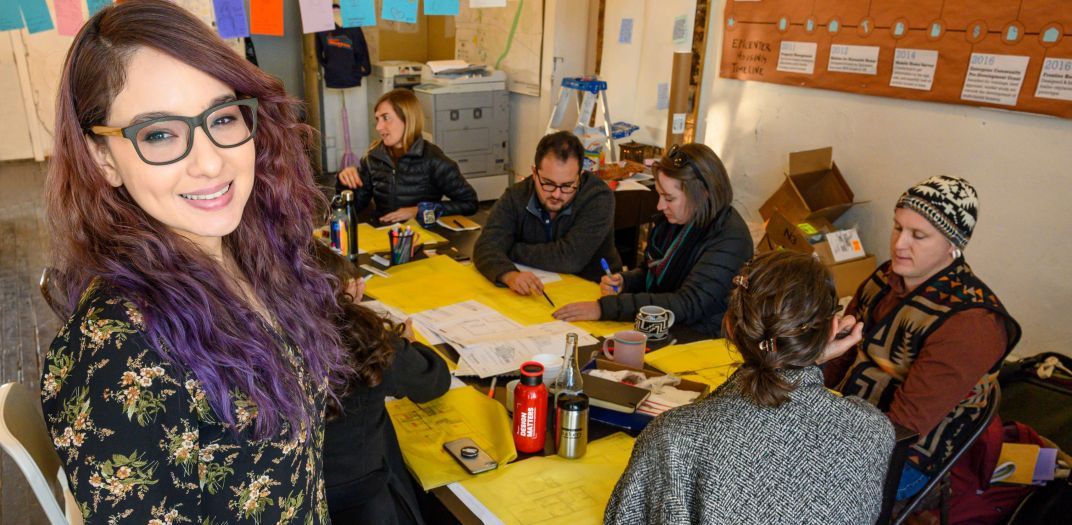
[(949, 203)]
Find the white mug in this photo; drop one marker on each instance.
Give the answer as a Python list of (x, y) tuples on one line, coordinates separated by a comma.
[(654, 321)]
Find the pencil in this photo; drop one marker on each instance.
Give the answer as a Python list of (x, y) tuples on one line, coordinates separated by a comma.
[(548, 298), (459, 224)]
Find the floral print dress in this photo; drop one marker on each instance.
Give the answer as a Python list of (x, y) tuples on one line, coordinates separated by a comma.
[(140, 443)]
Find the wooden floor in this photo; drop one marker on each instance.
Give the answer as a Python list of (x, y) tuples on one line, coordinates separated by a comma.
[(27, 326)]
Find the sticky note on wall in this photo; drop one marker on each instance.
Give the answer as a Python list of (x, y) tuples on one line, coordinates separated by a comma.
[(10, 16), (441, 7), (625, 33), (231, 18), (400, 11), (36, 15), (266, 17), (69, 17), (316, 16), (662, 98), (358, 13)]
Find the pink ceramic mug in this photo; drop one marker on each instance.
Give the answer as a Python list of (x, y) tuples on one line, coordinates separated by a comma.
[(628, 348)]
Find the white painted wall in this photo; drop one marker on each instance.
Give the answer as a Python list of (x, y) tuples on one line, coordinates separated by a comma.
[(32, 90), (565, 37), (1019, 163), (633, 71), (15, 136)]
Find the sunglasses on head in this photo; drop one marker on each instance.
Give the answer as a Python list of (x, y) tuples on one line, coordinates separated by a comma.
[(679, 159)]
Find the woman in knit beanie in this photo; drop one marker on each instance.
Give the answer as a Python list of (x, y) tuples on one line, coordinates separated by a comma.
[(934, 334)]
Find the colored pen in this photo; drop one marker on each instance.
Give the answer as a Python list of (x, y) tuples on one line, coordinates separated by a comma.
[(606, 269), (548, 298)]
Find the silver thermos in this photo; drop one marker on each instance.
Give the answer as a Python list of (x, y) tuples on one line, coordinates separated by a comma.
[(571, 425)]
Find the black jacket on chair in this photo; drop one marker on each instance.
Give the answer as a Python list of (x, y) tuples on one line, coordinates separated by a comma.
[(422, 174)]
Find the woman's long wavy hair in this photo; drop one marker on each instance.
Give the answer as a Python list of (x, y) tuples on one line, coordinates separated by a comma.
[(779, 318), (366, 336), (192, 310)]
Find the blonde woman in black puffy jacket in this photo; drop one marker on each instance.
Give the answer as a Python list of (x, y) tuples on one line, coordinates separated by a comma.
[(402, 170)]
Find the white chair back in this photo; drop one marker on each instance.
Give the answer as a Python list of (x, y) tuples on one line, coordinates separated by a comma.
[(25, 438)]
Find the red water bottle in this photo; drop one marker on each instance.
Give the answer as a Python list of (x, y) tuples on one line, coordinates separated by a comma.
[(530, 409)]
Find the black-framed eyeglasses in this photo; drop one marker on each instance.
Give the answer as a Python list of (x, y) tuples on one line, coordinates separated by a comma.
[(679, 159), (169, 139), (550, 187)]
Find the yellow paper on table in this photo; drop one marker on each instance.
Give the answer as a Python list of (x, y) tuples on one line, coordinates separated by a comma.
[(461, 413), (550, 490), (1023, 456), (440, 281), (711, 361), (375, 240)]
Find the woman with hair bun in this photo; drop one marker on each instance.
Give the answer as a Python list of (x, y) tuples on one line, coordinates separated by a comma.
[(772, 444)]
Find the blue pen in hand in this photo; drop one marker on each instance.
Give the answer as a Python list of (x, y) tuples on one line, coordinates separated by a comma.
[(606, 269)]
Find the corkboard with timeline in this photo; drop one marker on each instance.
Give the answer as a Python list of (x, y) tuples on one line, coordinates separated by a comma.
[(1009, 54)]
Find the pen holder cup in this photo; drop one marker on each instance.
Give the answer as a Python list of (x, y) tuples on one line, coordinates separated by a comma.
[(403, 246)]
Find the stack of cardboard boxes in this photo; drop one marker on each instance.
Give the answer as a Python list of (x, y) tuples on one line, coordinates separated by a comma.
[(800, 216)]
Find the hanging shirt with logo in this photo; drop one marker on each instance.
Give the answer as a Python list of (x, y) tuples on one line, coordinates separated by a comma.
[(343, 53)]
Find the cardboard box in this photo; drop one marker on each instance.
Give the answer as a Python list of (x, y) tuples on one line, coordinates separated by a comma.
[(783, 233), (636, 421), (765, 245), (848, 276), (813, 189)]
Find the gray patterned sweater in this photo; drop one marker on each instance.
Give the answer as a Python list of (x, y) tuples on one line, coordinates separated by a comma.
[(817, 459)]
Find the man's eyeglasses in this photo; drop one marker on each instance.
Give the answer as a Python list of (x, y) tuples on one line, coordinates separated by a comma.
[(550, 187), (169, 139)]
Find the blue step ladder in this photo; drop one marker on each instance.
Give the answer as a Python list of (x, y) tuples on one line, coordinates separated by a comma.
[(590, 92)]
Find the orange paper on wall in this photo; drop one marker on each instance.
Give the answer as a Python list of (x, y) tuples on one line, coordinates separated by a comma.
[(266, 17)]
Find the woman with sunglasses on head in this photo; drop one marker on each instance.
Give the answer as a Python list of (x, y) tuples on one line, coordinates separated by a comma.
[(694, 249), (771, 444), (402, 170), (189, 384)]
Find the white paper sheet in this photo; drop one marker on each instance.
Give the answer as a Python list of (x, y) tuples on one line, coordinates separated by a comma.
[(438, 66), (639, 177), (389, 312), (631, 185), (544, 276), (505, 354), (459, 322)]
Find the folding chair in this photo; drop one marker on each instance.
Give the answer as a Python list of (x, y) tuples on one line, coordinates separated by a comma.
[(24, 437), (941, 478), (48, 287)]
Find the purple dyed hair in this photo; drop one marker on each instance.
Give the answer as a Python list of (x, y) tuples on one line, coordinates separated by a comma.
[(193, 313)]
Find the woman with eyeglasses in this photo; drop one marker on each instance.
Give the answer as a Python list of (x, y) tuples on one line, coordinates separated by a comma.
[(189, 384), (402, 170), (694, 249), (771, 444)]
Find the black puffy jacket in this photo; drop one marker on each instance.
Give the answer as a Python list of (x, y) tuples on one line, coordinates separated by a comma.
[(423, 174), (701, 300)]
